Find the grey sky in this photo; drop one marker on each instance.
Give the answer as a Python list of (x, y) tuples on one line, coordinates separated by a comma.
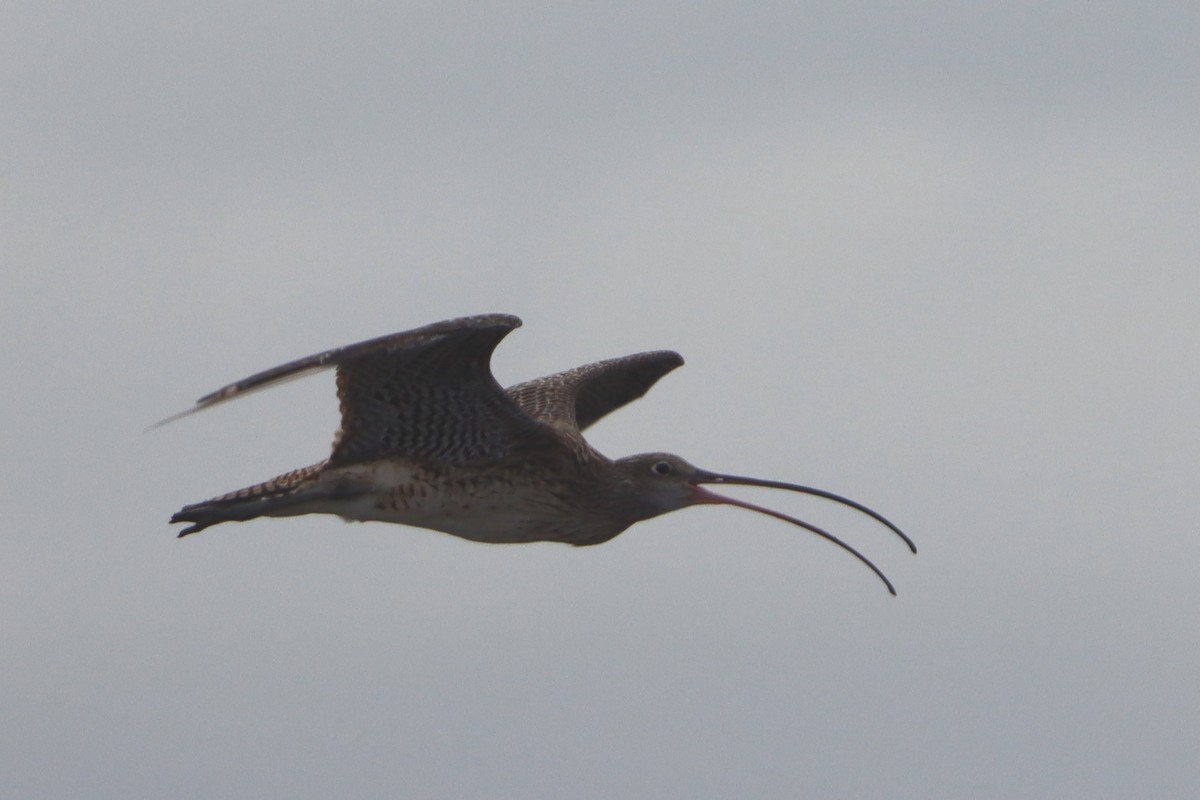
[(939, 257)]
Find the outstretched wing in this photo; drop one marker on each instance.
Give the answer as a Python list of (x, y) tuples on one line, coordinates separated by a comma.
[(426, 394), (573, 400)]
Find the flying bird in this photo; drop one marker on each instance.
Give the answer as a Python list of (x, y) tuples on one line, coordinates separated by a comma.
[(429, 438)]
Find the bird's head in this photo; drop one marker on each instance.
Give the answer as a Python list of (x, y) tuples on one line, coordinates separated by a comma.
[(658, 483)]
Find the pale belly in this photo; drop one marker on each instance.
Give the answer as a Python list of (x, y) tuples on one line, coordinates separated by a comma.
[(480, 510)]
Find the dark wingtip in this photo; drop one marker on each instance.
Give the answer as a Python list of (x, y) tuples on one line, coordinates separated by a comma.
[(196, 528), (173, 418), (183, 516)]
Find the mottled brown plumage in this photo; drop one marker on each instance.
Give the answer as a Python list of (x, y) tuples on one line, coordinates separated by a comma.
[(429, 438)]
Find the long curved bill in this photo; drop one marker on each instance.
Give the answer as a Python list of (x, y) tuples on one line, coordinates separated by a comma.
[(704, 496)]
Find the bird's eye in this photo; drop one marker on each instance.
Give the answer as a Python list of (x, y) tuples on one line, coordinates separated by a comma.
[(662, 467)]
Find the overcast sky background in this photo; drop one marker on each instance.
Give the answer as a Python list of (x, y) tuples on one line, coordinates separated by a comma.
[(939, 257)]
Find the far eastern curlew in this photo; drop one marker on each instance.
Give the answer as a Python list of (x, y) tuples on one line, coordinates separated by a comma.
[(429, 438)]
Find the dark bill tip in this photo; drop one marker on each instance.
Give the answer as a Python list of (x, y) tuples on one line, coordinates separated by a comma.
[(704, 476)]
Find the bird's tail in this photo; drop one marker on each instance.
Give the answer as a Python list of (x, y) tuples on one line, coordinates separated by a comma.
[(275, 497)]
